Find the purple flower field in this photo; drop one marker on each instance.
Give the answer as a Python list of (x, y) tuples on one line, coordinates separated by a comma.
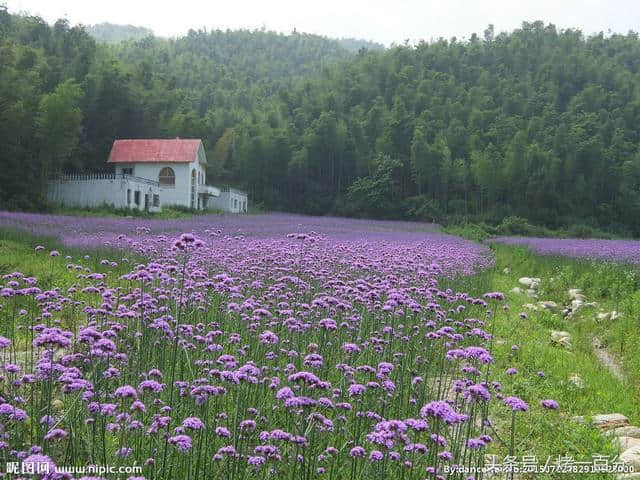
[(618, 251), (274, 346)]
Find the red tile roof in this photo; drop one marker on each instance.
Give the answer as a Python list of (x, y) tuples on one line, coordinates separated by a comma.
[(175, 150)]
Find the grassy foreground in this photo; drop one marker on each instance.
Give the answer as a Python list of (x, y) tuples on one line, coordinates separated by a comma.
[(614, 287), (520, 343)]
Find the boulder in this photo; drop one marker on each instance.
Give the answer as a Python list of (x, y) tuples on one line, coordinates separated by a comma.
[(630, 431), (632, 457), (530, 306), (525, 281), (506, 270), (575, 293), (608, 315), (608, 421), (605, 421), (561, 338), (516, 290), (576, 304), (532, 293), (548, 305), (625, 443)]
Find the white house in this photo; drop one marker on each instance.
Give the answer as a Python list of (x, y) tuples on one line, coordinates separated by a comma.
[(173, 172), (230, 200)]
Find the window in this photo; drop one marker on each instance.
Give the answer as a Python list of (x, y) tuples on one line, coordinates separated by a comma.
[(167, 176), (156, 200), (128, 196), (235, 203), (127, 171), (136, 197)]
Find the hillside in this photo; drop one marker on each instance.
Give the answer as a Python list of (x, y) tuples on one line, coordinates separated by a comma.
[(109, 33), (540, 122)]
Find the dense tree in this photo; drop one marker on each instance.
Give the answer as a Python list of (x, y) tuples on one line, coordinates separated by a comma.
[(540, 123)]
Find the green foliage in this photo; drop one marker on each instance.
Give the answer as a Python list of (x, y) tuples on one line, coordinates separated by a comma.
[(377, 195), (521, 227), (471, 231), (539, 124)]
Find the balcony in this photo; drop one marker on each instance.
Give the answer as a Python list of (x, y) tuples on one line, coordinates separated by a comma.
[(208, 190)]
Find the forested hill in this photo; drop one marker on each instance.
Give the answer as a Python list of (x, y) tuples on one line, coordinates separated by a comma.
[(110, 33), (541, 123)]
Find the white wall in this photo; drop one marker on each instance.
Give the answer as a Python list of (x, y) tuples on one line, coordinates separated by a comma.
[(93, 191), (232, 201), (180, 194)]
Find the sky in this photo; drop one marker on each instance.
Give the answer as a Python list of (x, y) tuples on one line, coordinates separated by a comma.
[(385, 21)]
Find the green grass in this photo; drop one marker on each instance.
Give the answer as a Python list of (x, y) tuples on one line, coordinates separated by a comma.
[(17, 254), (167, 213), (550, 433), (540, 432)]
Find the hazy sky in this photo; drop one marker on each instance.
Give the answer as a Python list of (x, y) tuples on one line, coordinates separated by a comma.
[(382, 21)]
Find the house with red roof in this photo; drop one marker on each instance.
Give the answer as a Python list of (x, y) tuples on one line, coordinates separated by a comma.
[(150, 174)]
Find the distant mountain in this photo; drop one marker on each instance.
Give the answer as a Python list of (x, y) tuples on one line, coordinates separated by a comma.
[(356, 44), (111, 33)]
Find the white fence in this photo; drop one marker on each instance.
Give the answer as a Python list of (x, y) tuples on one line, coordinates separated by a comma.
[(98, 189)]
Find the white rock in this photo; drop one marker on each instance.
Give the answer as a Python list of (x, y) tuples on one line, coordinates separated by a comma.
[(506, 270), (574, 292), (605, 421), (608, 315), (630, 431), (610, 420), (548, 305), (516, 290), (632, 457), (625, 443), (590, 304), (532, 293), (561, 338), (526, 281)]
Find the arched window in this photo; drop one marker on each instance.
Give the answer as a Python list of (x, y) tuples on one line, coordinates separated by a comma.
[(167, 176)]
